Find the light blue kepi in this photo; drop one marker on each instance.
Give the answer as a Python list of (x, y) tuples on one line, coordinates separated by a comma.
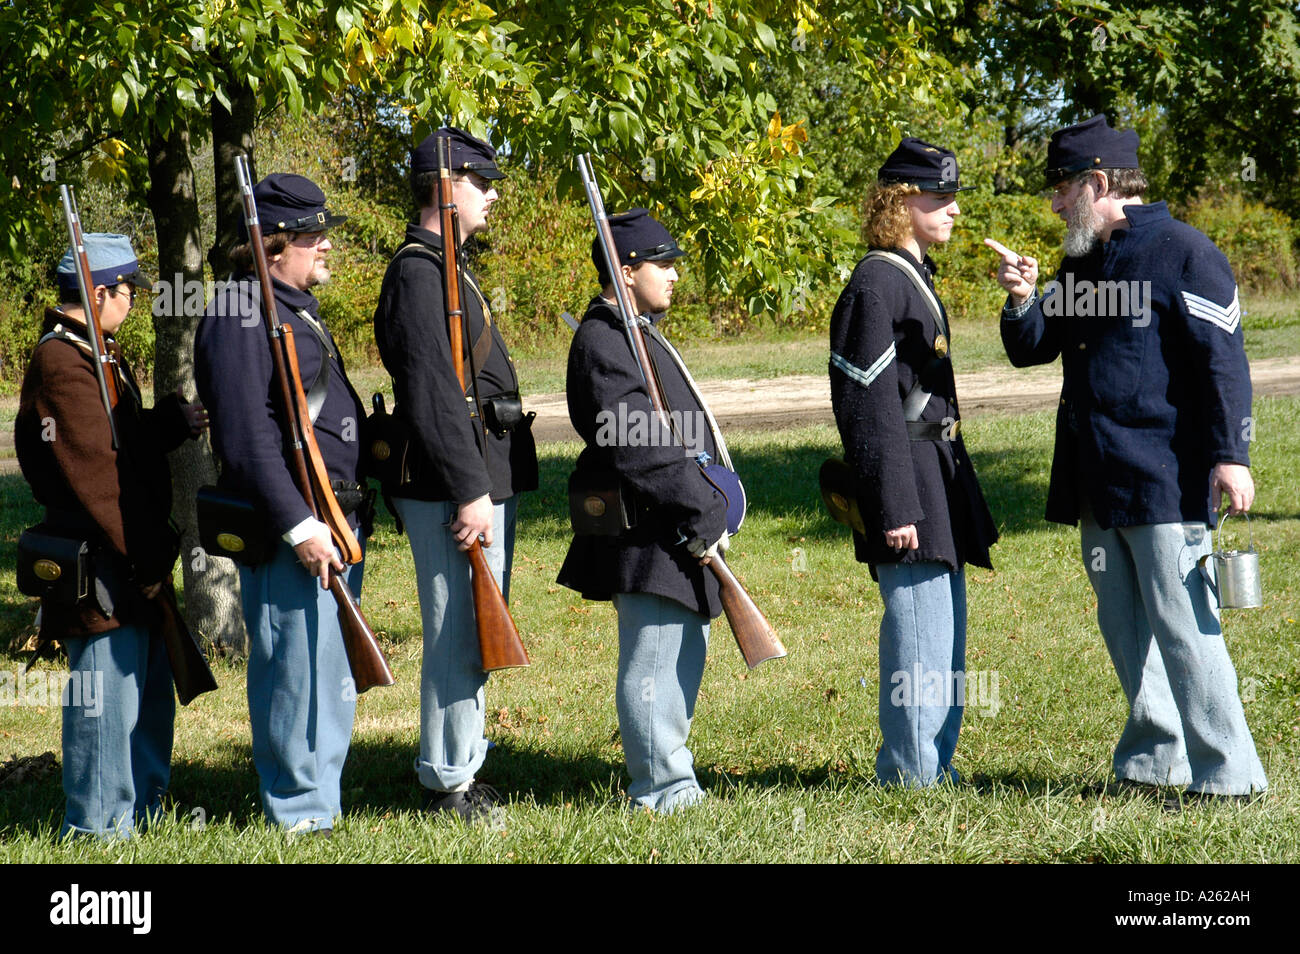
[(112, 261)]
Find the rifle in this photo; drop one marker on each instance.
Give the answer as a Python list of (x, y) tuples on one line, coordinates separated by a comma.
[(189, 665), (366, 659), (498, 638), (105, 363), (755, 636)]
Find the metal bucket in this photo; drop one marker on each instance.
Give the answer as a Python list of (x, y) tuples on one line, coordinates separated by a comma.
[(1236, 583)]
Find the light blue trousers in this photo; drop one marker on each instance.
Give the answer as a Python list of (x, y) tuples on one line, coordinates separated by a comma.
[(301, 698), (118, 711), (922, 651), (452, 744), (661, 651), (1161, 627)]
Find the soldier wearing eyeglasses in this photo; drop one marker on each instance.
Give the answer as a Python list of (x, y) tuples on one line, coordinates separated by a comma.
[(1152, 431), (301, 698), (461, 476), (116, 496)]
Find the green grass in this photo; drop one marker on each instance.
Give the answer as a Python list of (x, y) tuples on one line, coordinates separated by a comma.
[(1272, 326), (787, 751)]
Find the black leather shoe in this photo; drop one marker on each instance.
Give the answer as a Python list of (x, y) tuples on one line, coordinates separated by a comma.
[(472, 805), (1175, 803), (1119, 787)]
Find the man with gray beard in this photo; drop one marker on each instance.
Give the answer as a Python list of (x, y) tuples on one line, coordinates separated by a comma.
[(1152, 430)]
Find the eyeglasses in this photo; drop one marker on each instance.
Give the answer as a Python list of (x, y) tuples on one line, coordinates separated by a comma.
[(130, 290), (308, 239), (477, 181), (1065, 188)]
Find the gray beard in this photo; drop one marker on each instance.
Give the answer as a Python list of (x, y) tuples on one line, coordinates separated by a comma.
[(1082, 228)]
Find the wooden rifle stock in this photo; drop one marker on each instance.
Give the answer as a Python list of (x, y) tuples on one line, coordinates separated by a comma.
[(323, 501), (754, 634), (498, 637), (366, 659), (190, 670)]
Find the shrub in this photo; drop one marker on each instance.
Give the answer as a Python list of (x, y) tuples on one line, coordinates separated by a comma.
[(1259, 241)]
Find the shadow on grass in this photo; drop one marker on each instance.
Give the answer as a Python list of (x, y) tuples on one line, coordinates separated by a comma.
[(782, 482), (379, 778)]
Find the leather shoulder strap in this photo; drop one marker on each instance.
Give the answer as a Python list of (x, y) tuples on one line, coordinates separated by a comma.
[(482, 347), (904, 266)]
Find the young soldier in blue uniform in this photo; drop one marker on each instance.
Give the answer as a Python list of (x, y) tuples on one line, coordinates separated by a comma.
[(651, 570), (116, 761), (1151, 431), (453, 491), (895, 403), (301, 699)]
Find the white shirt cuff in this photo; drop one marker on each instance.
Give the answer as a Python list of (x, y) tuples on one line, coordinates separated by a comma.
[(311, 527)]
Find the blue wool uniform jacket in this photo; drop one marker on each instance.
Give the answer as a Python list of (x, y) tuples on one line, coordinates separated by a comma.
[(415, 346), (1155, 394), (663, 484), (882, 340), (233, 370)]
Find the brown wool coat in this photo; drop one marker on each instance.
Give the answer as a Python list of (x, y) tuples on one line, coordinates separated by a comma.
[(121, 498)]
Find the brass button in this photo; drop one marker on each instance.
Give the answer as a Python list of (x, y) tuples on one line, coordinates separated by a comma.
[(940, 345), (1082, 346)]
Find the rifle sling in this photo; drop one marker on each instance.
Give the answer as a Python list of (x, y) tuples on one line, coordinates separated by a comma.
[(917, 398), (62, 333), (482, 348), (320, 387)]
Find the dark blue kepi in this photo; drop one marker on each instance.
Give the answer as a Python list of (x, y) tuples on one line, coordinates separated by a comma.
[(1091, 144), (928, 167)]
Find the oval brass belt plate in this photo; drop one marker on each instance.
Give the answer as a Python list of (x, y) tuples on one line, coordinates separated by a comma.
[(47, 570), (594, 506), (380, 450), (230, 542)]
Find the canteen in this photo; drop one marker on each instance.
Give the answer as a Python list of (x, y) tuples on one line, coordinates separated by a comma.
[(1236, 573)]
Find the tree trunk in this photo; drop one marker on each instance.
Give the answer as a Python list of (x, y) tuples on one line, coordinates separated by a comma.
[(211, 584), (232, 135)]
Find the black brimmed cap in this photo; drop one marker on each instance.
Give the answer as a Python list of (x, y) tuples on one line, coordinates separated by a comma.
[(468, 154), (916, 162), (638, 238), (1091, 144), (290, 203)]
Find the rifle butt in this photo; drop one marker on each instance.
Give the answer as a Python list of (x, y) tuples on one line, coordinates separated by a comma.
[(755, 636), (190, 670), (365, 658), (498, 637)]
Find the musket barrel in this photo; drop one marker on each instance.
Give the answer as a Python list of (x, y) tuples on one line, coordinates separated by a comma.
[(105, 373)]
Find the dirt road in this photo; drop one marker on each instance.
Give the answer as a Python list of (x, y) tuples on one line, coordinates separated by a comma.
[(806, 399), (771, 403)]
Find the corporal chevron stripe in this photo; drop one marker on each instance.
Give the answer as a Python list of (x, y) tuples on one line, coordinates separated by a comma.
[(864, 378), (1228, 318)]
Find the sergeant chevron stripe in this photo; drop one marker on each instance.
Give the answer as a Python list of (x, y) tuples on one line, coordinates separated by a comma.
[(864, 378), (1227, 318)]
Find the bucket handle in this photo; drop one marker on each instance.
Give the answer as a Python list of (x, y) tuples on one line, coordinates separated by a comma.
[(1219, 533)]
